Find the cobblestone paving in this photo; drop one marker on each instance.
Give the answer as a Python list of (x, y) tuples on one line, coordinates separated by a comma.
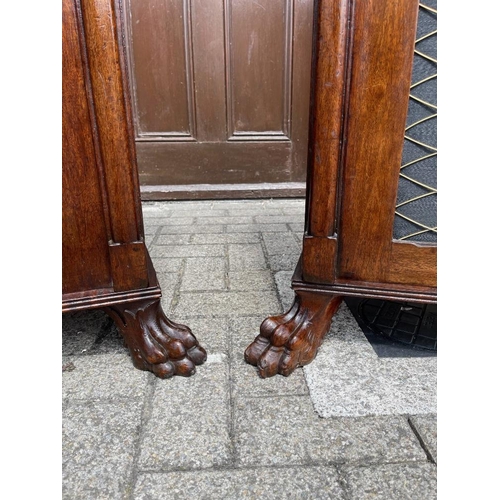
[(223, 433)]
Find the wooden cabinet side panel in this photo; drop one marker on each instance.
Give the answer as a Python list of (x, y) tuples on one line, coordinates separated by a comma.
[(85, 250), (382, 54), (102, 21)]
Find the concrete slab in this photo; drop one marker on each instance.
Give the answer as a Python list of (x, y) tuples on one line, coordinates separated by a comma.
[(180, 251), (168, 283), (211, 239), (98, 446), (285, 430), (291, 483), (245, 257), (283, 262), (250, 280), (212, 333), (104, 376), (164, 264), (227, 304), (283, 280), (277, 244), (95, 483), (172, 239), (204, 273), (425, 427), (256, 228), (347, 378), (193, 229), (189, 424), (392, 482)]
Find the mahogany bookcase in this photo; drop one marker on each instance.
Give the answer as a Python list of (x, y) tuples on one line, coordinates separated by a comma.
[(370, 225), (105, 260)]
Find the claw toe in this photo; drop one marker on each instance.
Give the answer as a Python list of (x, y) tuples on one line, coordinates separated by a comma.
[(268, 363), (164, 370), (184, 367), (255, 350), (197, 355)]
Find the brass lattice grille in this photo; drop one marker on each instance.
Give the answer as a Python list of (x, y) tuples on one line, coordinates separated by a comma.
[(416, 208)]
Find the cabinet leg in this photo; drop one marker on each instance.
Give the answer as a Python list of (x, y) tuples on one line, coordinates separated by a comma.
[(292, 339), (157, 344)]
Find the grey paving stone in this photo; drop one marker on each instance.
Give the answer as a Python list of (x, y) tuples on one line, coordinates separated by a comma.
[(204, 281), (256, 228), (212, 333), (278, 244), (168, 283), (183, 206), (382, 386), (190, 421), (250, 280), (103, 376), (196, 265), (81, 329), (98, 483), (285, 430), (314, 483), (178, 220), (277, 219), (154, 209), (292, 210), (246, 258), (195, 208), (204, 273), (392, 482), (246, 382), (100, 437), (283, 280), (365, 440), (149, 232), (290, 202), (148, 239), (244, 204), (242, 331), (252, 210), (179, 251), (173, 239), (203, 211), (158, 220), (162, 264), (244, 377), (210, 239), (226, 304), (283, 262), (297, 227), (426, 427), (209, 219), (193, 229)]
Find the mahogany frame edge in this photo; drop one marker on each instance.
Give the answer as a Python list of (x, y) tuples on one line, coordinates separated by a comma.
[(103, 297), (374, 290)]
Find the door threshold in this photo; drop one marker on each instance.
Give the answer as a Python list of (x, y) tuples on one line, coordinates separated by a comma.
[(223, 191)]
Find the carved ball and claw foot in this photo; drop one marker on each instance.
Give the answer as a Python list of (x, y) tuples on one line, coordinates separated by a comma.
[(157, 344), (292, 339)]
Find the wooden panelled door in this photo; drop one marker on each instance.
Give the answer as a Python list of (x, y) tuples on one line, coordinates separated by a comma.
[(220, 95)]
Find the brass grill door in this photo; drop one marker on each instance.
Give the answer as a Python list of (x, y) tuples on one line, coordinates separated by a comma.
[(416, 208)]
